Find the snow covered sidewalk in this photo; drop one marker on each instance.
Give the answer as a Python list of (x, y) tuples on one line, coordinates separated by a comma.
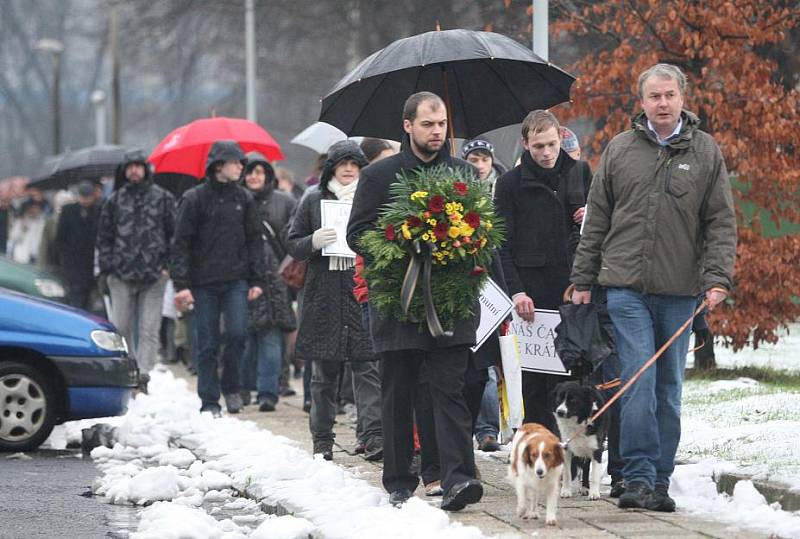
[(187, 469), (213, 478)]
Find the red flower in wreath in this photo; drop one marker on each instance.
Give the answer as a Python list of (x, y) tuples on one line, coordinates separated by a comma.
[(460, 188), (436, 204), (477, 270), (472, 219), (389, 232), (414, 221), (440, 230)]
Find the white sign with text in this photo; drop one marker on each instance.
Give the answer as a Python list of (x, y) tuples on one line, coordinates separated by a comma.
[(336, 214), (535, 344), (495, 307)]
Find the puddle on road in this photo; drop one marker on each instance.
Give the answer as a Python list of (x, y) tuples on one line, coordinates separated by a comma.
[(121, 519)]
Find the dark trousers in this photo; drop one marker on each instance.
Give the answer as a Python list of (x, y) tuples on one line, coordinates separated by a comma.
[(444, 369), (79, 293), (324, 382), (537, 389), (211, 302), (474, 384), (610, 370)]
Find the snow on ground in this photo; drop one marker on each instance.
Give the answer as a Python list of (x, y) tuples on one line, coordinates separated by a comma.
[(192, 490), (784, 356), (695, 492), (738, 426), (752, 425), (735, 426)]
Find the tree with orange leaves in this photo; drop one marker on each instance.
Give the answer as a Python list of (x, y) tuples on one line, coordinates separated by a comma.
[(726, 49)]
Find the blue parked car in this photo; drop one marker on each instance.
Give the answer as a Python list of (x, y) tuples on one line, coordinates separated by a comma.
[(57, 364)]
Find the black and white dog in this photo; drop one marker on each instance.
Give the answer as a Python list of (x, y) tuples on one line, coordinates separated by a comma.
[(574, 404)]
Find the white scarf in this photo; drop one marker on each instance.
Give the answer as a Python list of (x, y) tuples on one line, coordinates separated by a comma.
[(346, 193)]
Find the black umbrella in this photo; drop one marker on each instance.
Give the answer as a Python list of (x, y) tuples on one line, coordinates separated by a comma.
[(582, 342), (46, 169), (90, 164), (175, 183), (487, 80)]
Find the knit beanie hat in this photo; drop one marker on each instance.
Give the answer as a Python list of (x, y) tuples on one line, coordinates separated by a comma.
[(477, 144)]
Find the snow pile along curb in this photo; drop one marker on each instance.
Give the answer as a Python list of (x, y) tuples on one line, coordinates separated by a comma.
[(221, 456)]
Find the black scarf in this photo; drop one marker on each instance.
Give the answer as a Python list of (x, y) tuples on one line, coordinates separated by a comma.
[(548, 176)]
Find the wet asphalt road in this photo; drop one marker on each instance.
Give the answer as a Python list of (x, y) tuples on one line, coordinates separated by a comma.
[(46, 497)]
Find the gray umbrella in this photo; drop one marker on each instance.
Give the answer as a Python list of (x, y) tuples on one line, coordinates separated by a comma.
[(487, 80), (90, 164)]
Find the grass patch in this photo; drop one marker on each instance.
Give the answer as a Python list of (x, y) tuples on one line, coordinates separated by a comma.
[(780, 379)]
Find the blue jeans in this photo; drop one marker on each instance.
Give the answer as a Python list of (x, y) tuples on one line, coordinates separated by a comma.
[(260, 367), (488, 422), (210, 302), (650, 418)]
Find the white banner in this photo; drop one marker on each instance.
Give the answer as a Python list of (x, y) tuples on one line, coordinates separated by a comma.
[(495, 307), (512, 409), (336, 214), (535, 344)]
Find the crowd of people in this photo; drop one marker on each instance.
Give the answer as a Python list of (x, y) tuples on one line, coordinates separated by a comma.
[(645, 237)]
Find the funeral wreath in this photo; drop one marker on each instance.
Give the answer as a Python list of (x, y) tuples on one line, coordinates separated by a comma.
[(426, 260)]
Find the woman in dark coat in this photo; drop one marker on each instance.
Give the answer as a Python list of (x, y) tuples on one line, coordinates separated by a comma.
[(330, 323)]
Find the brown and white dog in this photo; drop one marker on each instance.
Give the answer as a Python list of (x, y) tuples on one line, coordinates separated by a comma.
[(535, 470)]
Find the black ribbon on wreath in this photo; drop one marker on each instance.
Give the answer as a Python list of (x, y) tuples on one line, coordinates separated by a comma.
[(421, 262)]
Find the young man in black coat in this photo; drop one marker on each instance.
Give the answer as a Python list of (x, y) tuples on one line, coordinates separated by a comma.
[(218, 265), (403, 348), (537, 200)]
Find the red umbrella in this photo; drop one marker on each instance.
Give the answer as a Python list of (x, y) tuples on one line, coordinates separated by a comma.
[(184, 151)]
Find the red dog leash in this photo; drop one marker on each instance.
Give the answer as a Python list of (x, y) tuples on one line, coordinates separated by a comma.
[(641, 370)]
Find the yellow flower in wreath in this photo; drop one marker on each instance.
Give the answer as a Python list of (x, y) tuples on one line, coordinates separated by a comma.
[(406, 232), (454, 232), (465, 230), (418, 195)]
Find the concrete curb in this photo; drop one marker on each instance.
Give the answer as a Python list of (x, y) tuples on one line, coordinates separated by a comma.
[(788, 499)]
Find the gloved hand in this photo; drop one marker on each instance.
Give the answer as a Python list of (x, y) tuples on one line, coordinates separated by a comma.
[(322, 237), (102, 284)]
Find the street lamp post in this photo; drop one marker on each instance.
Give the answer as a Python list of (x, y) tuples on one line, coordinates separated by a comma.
[(56, 48), (98, 99), (540, 29), (250, 58)]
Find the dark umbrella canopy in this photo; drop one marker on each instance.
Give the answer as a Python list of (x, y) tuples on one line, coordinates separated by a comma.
[(175, 183), (46, 169), (90, 164), (488, 79)]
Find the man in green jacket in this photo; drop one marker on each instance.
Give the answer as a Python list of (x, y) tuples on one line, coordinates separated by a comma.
[(660, 231)]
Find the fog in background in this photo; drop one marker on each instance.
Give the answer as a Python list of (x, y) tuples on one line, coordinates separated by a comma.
[(184, 59)]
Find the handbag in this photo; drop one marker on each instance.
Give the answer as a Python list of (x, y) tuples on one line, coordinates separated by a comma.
[(291, 270)]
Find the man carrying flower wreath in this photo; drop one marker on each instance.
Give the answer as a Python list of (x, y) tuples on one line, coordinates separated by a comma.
[(406, 347)]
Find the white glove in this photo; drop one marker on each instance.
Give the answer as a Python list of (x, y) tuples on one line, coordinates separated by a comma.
[(323, 237)]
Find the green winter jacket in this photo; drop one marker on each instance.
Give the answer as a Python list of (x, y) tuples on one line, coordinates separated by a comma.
[(660, 219)]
